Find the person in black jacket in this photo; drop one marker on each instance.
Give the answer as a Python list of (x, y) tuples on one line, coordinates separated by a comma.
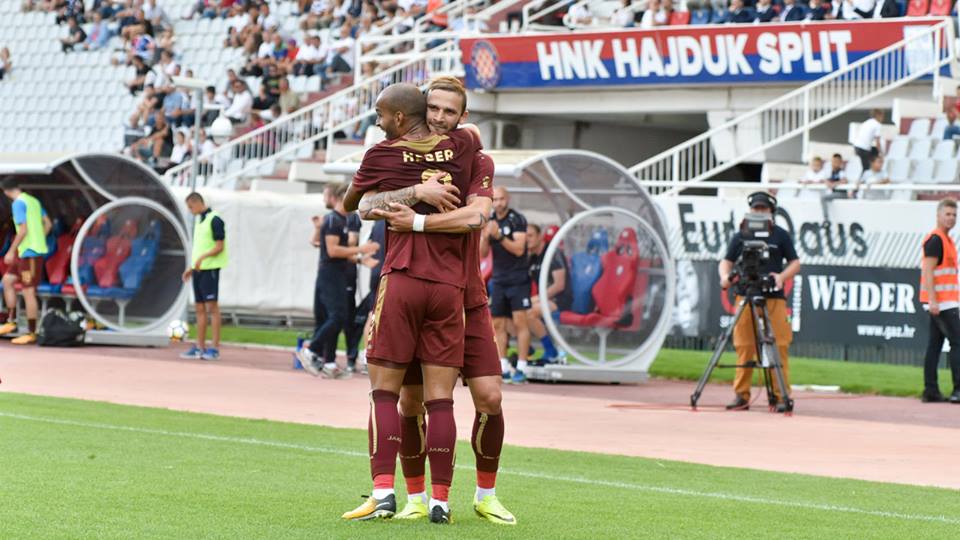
[(765, 11), (740, 14), (792, 12)]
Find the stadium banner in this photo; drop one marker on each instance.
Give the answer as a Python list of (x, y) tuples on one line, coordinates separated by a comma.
[(827, 304), (859, 283), (683, 55)]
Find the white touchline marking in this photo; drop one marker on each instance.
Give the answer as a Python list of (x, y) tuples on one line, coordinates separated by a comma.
[(525, 474)]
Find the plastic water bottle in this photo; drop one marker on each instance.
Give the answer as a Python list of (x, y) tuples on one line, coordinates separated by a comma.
[(296, 359)]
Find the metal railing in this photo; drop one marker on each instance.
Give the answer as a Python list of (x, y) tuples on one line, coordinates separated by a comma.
[(922, 54), (295, 135), (535, 11)]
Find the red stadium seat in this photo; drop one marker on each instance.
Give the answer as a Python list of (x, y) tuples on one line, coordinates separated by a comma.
[(917, 8), (58, 265), (940, 7), (679, 18), (118, 249), (616, 292)]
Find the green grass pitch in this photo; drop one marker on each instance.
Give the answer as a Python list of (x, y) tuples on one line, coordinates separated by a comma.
[(78, 469)]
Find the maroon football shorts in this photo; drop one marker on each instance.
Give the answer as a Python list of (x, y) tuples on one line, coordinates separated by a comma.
[(28, 270), (480, 355), (415, 318)]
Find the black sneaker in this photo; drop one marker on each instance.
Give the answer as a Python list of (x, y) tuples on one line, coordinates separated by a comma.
[(739, 404), (438, 515), (954, 397), (781, 408), (932, 397)]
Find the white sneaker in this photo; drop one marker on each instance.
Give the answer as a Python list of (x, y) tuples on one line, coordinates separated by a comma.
[(309, 361), (334, 372)]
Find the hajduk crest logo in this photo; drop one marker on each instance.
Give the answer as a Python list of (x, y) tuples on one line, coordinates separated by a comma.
[(486, 64)]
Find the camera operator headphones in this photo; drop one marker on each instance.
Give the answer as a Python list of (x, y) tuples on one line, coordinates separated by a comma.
[(762, 198)]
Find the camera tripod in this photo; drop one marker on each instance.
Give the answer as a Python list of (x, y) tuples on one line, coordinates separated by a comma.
[(768, 357)]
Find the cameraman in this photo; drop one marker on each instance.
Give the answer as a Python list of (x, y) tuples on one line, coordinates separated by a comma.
[(781, 249)]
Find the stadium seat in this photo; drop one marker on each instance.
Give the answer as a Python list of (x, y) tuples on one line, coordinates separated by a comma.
[(922, 172), (944, 150), (945, 171), (917, 8), (920, 149), (899, 147), (898, 170), (615, 293), (919, 128), (142, 256), (679, 18), (940, 8), (118, 249), (939, 125), (57, 265), (585, 270)]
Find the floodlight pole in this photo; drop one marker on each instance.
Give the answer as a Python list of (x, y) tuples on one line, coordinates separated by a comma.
[(198, 86), (197, 124)]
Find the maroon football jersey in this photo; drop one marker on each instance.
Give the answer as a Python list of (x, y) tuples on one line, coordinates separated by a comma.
[(399, 163), (481, 186)]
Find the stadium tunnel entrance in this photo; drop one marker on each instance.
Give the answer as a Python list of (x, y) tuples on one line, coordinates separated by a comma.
[(613, 242), (117, 248)]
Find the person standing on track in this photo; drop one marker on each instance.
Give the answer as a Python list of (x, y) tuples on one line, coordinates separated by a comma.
[(940, 296), (506, 235), (331, 292), (446, 109), (209, 257), (24, 259), (419, 307)]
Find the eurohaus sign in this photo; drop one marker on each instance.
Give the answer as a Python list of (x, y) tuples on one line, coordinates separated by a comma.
[(683, 55)]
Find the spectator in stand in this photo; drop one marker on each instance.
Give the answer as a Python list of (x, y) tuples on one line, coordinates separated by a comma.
[(289, 101), (835, 177), (792, 12), (75, 35), (886, 9), (310, 58), (6, 63), (319, 16), (341, 54), (213, 103), (414, 8), (144, 109), (649, 19), (150, 148), (71, 9), (816, 174), (864, 8), (741, 14), (873, 176), (273, 113), (176, 108), (952, 130), (624, 15), (868, 143), (468, 23), (765, 11), (239, 110), (816, 11), (580, 15), (99, 34), (140, 75), (180, 151), (156, 15), (264, 100)]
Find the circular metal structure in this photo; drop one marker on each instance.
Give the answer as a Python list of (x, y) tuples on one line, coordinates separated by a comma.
[(158, 298), (636, 312)]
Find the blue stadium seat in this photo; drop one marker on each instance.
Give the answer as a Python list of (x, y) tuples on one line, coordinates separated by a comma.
[(585, 270), (701, 16)]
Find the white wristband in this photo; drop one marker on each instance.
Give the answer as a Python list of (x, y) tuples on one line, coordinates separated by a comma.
[(418, 222)]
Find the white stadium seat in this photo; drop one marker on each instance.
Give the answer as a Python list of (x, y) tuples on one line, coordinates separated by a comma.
[(919, 128), (899, 147), (944, 150), (945, 171), (920, 149), (898, 170), (922, 172)]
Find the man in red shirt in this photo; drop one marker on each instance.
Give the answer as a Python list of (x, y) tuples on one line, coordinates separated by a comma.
[(419, 308), (446, 109)]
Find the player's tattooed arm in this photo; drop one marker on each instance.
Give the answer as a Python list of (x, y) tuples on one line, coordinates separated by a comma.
[(372, 200), (471, 217)]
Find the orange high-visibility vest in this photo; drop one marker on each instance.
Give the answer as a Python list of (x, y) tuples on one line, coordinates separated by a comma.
[(945, 283)]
